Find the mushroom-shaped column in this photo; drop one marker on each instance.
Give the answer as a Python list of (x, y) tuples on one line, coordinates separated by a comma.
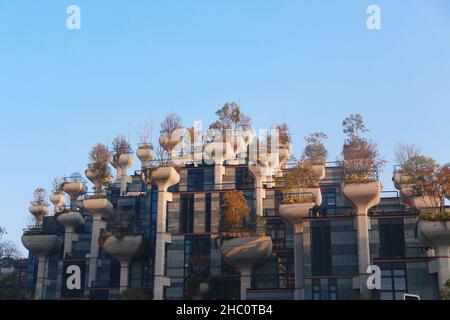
[(123, 250), (145, 154), (244, 254), (436, 235), (259, 171), (122, 163), (59, 200), (42, 246), (98, 207), (219, 152), (74, 189), (363, 196), (163, 177), (39, 212), (169, 145), (295, 214), (70, 220), (284, 155)]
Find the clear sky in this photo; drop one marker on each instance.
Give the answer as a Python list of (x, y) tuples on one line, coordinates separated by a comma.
[(308, 63)]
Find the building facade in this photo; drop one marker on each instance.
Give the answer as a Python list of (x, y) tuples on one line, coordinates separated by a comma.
[(182, 257)]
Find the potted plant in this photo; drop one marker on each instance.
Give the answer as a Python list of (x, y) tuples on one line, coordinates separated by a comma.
[(39, 206), (99, 174), (57, 198), (316, 153), (145, 149), (242, 247), (422, 180), (169, 125), (361, 164), (123, 243), (121, 155), (74, 186), (301, 193)]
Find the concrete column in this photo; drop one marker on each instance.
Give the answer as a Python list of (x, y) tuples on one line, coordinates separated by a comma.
[(124, 275), (40, 279), (68, 238), (299, 293), (443, 264), (93, 256), (161, 240), (246, 282), (260, 194), (219, 172), (362, 231)]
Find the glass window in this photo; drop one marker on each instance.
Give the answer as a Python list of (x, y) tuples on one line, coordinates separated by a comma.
[(208, 212), (187, 213), (392, 238), (195, 179), (244, 180), (321, 248)]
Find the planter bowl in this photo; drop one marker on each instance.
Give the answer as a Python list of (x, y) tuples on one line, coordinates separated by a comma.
[(58, 199), (295, 213), (165, 177), (41, 245), (246, 252), (75, 189), (39, 211), (363, 195), (101, 206), (144, 154), (434, 234), (70, 219), (124, 249)]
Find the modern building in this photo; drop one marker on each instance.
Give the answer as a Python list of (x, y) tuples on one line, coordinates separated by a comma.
[(171, 219)]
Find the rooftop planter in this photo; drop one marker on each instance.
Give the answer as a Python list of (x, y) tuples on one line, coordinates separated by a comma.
[(123, 248), (39, 207), (75, 189), (145, 153), (58, 199), (41, 245), (421, 178), (70, 220), (363, 195), (246, 252), (121, 156), (169, 125), (98, 204)]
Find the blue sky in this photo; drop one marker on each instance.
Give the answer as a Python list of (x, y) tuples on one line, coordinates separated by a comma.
[(309, 63)]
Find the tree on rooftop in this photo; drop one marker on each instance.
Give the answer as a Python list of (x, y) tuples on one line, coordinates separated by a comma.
[(170, 123), (315, 150), (40, 196), (360, 158), (120, 146), (230, 117), (99, 157)]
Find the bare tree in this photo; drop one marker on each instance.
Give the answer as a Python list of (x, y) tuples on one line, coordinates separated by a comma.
[(57, 184), (404, 152), (171, 123), (145, 134), (40, 197)]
